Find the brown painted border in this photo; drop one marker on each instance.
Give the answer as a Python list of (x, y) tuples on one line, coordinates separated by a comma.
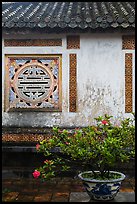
[(73, 42), (24, 137), (128, 82), (73, 82), (128, 42), (32, 42)]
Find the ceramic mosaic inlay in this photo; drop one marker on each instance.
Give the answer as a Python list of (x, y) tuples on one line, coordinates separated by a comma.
[(73, 83), (34, 42), (24, 137), (128, 42), (73, 42), (128, 82), (33, 82)]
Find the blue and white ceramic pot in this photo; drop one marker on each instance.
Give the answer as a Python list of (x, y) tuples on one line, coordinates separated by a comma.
[(101, 189)]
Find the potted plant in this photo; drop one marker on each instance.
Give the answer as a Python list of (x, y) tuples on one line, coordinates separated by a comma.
[(96, 149)]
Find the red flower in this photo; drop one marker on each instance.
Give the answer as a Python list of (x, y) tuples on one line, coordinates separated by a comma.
[(36, 174), (76, 128), (104, 122), (37, 146)]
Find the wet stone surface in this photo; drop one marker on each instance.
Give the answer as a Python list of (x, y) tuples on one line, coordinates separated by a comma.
[(62, 189), (120, 197)]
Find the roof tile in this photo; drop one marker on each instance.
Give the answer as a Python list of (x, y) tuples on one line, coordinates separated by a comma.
[(68, 15)]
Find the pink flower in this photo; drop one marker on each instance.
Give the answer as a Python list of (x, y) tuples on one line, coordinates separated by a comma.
[(67, 143), (37, 146), (36, 174), (104, 122), (48, 161)]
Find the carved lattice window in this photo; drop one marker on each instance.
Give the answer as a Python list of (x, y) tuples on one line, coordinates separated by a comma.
[(33, 82)]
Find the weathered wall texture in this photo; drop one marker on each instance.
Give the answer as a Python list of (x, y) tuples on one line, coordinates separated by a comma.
[(100, 81)]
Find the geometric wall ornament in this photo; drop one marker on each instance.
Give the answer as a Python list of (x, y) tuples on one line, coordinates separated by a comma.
[(73, 82), (73, 42), (33, 82), (128, 82), (24, 137), (128, 42), (32, 42)]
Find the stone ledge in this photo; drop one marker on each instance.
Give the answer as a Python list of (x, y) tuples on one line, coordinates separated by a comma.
[(33, 130), (84, 197), (27, 135), (17, 130)]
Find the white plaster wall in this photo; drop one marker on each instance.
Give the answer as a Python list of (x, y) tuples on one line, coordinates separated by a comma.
[(100, 81)]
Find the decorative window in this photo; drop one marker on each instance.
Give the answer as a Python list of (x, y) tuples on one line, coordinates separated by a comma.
[(33, 82)]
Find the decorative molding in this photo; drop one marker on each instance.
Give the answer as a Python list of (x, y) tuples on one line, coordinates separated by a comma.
[(73, 83), (32, 42), (73, 42), (33, 82), (128, 42), (26, 137), (128, 82)]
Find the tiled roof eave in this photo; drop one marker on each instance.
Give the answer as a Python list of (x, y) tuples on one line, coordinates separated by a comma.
[(68, 15), (25, 31), (49, 26)]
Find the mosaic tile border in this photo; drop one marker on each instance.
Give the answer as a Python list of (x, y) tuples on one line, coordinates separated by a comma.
[(24, 137), (128, 82), (128, 42), (73, 42), (32, 42), (73, 83)]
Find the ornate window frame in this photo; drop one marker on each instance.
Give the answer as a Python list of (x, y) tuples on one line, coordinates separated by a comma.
[(49, 98)]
